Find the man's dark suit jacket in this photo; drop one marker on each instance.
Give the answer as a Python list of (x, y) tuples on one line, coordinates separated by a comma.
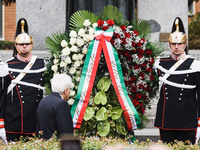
[(53, 114)]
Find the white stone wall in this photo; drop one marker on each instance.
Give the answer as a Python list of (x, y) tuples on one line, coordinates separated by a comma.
[(44, 18), (163, 12)]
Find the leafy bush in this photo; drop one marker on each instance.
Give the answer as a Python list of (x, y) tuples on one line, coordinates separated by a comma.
[(6, 45), (194, 33), (96, 143)]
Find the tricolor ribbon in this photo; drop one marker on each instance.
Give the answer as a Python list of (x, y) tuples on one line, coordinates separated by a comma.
[(102, 41)]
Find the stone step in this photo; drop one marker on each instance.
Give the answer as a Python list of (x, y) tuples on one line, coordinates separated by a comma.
[(144, 134)]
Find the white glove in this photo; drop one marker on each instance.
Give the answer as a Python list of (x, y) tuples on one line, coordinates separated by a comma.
[(4, 69), (197, 135), (3, 135)]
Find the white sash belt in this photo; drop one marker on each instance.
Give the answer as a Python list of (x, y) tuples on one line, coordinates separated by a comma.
[(22, 74), (174, 67)]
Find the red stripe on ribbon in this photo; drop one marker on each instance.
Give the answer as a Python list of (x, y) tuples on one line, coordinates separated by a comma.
[(108, 62), (90, 86)]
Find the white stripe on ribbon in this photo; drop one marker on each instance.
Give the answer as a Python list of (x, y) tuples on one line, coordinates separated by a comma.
[(86, 84), (117, 79)]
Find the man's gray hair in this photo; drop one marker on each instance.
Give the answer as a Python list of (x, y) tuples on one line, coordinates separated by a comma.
[(60, 82)]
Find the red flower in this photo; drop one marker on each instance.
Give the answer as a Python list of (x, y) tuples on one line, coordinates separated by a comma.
[(148, 52), (126, 53), (133, 89), (141, 108), (135, 102), (129, 58), (151, 77), (142, 41), (141, 75), (144, 64), (140, 55), (149, 69), (141, 51), (135, 32), (133, 44), (110, 22), (116, 35), (138, 96), (141, 86), (100, 23), (127, 35), (105, 28), (139, 44), (137, 66), (128, 83), (123, 27), (133, 78)]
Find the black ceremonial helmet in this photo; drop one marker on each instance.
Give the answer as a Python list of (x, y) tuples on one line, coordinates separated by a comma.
[(21, 35), (178, 33)]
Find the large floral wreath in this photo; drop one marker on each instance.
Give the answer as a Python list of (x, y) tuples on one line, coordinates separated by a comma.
[(136, 54)]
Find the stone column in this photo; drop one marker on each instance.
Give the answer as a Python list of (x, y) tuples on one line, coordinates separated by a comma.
[(44, 18)]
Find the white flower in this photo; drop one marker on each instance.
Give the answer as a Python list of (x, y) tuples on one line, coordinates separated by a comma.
[(80, 56), (54, 68), (84, 50), (73, 34), (78, 79), (72, 70), (81, 62), (68, 60), (72, 41), (63, 64), (81, 32), (87, 23), (64, 43), (91, 31), (75, 57), (71, 101), (72, 86), (94, 25), (80, 42), (72, 93), (74, 48), (78, 72), (91, 37), (86, 38), (66, 51), (76, 64), (55, 61)]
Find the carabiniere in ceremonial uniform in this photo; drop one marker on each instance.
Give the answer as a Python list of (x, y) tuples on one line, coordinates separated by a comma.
[(21, 89), (179, 87)]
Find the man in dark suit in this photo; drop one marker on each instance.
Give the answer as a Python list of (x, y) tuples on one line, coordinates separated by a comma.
[(53, 112), (179, 103)]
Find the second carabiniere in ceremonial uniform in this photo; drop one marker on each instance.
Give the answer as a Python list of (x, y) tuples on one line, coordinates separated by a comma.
[(21, 89), (179, 84)]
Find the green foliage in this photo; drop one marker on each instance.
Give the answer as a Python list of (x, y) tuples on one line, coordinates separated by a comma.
[(8, 2), (142, 26), (100, 98), (156, 47), (194, 33), (4, 45), (108, 118), (104, 84), (112, 13), (53, 42), (77, 19)]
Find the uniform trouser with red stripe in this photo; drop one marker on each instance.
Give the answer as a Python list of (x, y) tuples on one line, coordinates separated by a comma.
[(180, 135)]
